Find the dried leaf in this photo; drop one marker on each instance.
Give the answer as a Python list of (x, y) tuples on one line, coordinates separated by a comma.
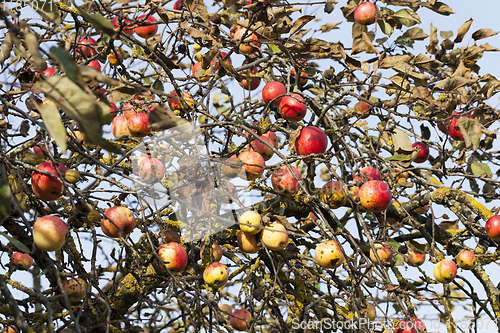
[(471, 131), (293, 136), (415, 34), (362, 43), (483, 33), (6, 48), (164, 118), (438, 7), (463, 30), (300, 23), (454, 82), (432, 47), (329, 26), (402, 143)]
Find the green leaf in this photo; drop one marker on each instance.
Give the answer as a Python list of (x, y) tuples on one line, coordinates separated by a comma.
[(274, 49), (398, 158), (16, 243), (4, 199), (78, 104), (386, 28), (406, 17), (426, 133), (53, 123), (481, 169), (100, 23), (66, 61), (158, 85), (417, 247), (47, 9), (329, 6)]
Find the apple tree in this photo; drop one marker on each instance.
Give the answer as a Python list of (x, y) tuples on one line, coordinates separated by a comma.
[(165, 168)]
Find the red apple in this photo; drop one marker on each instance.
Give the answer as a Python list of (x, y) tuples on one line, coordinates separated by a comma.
[(414, 325), (23, 259), (85, 46), (375, 196), (454, 131), (367, 173), (95, 64), (146, 31), (201, 74), (284, 182), (46, 187), (10, 329), (249, 44), (174, 256), (39, 151), (49, 71), (151, 170), (333, 194), (423, 154), (493, 227), (247, 243), (293, 107), (174, 103), (328, 254), (414, 258), (115, 22), (75, 289), (179, 4), (273, 90), (384, 253), (49, 233), (118, 220), (451, 126), (275, 237), (119, 126), (261, 147), (303, 76), (240, 320), (253, 165), (445, 271), (137, 125), (128, 109), (216, 275), (366, 13), (250, 83), (465, 259), (362, 109), (311, 140)]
